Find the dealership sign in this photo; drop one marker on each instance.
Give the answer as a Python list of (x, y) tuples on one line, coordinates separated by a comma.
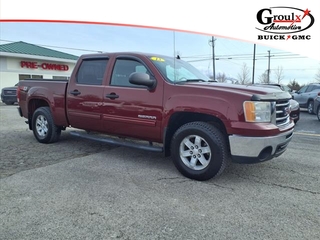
[(284, 23), (44, 66)]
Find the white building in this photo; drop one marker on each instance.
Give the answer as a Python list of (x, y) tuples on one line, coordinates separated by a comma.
[(22, 60)]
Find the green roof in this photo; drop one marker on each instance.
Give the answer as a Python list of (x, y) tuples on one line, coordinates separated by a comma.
[(31, 49)]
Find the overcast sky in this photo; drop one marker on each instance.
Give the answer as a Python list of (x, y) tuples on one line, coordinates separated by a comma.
[(80, 39)]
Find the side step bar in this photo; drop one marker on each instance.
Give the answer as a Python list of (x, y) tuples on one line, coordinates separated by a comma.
[(117, 142)]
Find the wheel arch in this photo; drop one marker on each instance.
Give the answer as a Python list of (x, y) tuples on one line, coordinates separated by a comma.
[(310, 100), (180, 118), (33, 105)]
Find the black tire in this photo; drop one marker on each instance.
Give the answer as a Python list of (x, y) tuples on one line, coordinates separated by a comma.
[(310, 107), (8, 103), (318, 112), (199, 136), (44, 129)]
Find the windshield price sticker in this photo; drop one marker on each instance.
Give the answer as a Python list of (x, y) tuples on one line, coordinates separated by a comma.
[(157, 59)]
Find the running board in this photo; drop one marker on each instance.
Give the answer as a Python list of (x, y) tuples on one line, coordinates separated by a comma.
[(117, 142)]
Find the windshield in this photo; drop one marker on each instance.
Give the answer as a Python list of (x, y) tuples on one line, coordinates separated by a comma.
[(177, 70)]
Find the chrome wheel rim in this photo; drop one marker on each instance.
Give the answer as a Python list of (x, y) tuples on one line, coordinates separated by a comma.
[(195, 152), (42, 126), (310, 108)]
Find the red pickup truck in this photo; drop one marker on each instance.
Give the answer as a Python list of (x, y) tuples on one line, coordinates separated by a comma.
[(162, 104)]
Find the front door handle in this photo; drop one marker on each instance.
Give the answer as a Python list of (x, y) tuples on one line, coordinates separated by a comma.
[(75, 92), (112, 96)]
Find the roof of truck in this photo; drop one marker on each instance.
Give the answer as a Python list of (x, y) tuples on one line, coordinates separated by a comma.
[(106, 54)]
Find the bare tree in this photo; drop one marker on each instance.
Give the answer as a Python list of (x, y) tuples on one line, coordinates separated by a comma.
[(279, 74), (221, 77), (263, 78), (294, 85), (244, 75)]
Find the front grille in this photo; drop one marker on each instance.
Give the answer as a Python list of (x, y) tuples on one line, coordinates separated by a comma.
[(283, 112), (10, 92)]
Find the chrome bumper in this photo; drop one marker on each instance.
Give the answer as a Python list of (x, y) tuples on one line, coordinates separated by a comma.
[(258, 149)]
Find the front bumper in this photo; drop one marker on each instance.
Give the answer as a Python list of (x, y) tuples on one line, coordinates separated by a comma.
[(5, 98), (258, 149)]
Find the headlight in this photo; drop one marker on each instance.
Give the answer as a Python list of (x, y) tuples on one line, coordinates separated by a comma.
[(294, 105), (257, 111)]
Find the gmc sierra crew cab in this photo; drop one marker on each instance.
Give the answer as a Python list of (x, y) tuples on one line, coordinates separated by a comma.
[(162, 104)]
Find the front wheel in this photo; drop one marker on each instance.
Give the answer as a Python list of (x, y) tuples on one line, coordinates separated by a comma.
[(318, 113), (199, 151), (44, 129), (310, 107)]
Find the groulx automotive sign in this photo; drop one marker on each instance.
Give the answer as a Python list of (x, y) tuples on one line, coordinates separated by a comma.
[(45, 66), (284, 23)]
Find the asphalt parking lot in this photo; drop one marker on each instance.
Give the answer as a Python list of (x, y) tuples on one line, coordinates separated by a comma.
[(78, 189)]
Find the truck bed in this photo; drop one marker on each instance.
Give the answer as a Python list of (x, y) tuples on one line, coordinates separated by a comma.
[(47, 92)]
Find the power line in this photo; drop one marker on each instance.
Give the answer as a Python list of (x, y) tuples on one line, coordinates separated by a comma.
[(242, 58), (242, 55)]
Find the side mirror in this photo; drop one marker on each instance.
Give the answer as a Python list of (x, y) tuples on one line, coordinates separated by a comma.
[(142, 79)]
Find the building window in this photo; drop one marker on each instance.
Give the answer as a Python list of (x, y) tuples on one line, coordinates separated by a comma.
[(27, 76), (60, 78), (37, 76), (24, 76)]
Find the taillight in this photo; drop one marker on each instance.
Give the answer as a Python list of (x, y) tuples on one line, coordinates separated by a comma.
[(18, 94)]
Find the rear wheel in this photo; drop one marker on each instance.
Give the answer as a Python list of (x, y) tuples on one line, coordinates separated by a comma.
[(199, 151), (310, 107), (44, 129), (318, 113)]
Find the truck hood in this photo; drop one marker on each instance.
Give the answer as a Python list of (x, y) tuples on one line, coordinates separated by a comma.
[(10, 88), (256, 93)]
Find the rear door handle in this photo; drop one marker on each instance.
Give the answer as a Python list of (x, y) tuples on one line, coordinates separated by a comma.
[(112, 96), (75, 92)]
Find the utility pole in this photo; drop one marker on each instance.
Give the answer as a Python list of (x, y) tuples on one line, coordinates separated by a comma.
[(268, 66), (213, 59), (254, 61)]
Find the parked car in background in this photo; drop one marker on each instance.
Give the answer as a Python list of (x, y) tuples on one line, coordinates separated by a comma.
[(294, 105), (316, 106), (282, 86), (306, 95), (9, 95)]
